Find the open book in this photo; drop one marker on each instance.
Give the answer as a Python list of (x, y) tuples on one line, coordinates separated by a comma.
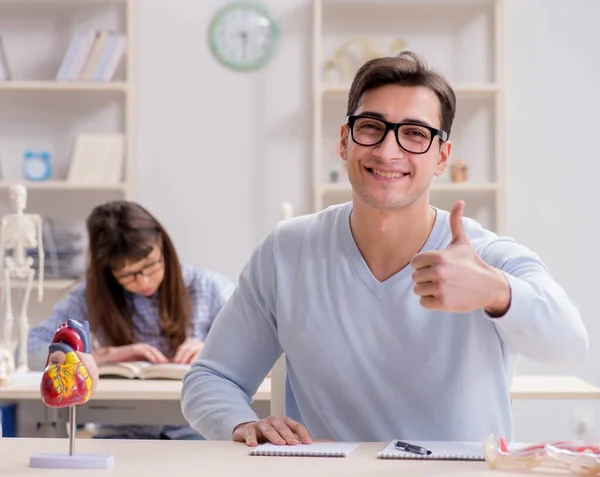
[(143, 370)]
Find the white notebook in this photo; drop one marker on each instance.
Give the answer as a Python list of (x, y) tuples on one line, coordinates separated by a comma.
[(316, 449), (439, 451)]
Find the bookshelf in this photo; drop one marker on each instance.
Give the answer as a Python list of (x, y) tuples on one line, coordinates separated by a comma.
[(63, 185), (41, 109), (465, 40), (117, 86)]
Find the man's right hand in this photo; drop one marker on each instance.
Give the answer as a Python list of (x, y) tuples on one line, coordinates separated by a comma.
[(277, 430)]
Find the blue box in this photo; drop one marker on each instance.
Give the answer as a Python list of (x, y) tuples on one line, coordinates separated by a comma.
[(8, 420)]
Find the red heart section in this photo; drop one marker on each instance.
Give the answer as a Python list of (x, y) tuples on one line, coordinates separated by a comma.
[(66, 334)]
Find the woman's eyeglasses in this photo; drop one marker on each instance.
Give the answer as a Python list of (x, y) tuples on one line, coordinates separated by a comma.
[(146, 271)]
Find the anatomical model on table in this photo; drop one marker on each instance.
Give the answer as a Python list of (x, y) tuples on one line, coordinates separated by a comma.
[(574, 457), (69, 379), (19, 233)]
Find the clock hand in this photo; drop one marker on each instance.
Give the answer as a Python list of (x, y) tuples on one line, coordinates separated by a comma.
[(244, 36)]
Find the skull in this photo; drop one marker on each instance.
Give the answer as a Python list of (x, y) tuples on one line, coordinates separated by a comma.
[(7, 366)]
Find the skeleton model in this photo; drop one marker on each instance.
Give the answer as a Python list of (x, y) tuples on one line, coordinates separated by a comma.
[(7, 367), (19, 233)]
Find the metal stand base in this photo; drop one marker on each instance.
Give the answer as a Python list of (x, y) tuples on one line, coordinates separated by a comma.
[(77, 461), (72, 460)]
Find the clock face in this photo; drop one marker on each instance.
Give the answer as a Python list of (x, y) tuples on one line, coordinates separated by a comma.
[(243, 36), (36, 168)]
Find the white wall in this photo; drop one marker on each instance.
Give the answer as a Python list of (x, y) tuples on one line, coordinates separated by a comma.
[(554, 102), (219, 150)]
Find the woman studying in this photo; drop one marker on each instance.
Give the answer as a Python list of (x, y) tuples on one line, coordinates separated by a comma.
[(142, 305)]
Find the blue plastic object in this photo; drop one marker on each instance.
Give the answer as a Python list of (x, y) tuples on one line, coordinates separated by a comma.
[(8, 420), (37, 166)]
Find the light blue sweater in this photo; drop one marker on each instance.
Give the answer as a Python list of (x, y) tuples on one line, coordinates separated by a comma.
[(365, 362)]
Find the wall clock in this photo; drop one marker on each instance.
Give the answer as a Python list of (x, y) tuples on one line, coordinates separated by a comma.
[(243, 35)]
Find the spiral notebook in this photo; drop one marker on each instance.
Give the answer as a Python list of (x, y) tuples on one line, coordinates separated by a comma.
[(316, 449), (439, 451)]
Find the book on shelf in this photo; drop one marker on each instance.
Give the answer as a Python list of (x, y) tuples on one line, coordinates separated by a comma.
[(97, 158), (92, 56), (4, 70), (143, 370)]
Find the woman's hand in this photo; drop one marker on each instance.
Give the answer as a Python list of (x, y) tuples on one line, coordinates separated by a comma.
[(132, 352), (189, 351), (144, 351)]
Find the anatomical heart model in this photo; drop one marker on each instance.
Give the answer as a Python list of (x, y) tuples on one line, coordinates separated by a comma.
[(69, 379)]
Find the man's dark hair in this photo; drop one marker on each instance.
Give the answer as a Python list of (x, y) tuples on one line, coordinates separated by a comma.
[(405, 69)]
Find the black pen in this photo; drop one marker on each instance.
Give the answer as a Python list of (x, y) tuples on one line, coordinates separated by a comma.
[(405, 446)]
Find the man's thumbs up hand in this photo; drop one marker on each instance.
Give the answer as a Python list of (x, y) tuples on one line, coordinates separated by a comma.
[(456, 224), (456, 279)]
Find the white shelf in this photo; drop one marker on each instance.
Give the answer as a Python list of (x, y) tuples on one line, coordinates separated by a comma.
[(465, 186), (459, 89), (49, 284), (90, 86), (345, 188), (63, 185), (447, 3), (63, 2), (469, 49), (40, 113)]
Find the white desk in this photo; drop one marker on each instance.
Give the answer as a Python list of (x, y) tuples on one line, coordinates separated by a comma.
[(136, 401), (116, 401), (552, 387), (27, 386), (224, 459)]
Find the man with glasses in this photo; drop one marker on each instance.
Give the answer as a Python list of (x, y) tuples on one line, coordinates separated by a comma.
[(397, 319)]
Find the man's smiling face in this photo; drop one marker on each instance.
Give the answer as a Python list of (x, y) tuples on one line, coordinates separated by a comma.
[(386, 176)]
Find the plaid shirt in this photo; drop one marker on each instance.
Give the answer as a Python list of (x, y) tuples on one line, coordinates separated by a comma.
[(208, 293)]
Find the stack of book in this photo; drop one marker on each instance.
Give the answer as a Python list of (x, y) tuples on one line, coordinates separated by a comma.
[(97, 159), (63, 252), (92, 56)]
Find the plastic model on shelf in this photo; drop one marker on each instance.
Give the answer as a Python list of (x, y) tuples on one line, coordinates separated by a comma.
[(20, 232)]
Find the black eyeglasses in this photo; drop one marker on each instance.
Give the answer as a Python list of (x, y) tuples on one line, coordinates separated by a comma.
[(412, 137), (147, 270)]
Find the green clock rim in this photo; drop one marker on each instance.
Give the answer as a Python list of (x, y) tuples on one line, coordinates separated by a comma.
[(242, 66)]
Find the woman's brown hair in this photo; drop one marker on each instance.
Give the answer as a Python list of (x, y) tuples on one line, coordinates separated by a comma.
[(122, 232)]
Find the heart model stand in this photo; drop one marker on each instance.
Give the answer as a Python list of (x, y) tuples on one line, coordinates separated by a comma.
[(69, 379)]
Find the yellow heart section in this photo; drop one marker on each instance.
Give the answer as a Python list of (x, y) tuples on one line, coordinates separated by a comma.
[(70, 379)]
